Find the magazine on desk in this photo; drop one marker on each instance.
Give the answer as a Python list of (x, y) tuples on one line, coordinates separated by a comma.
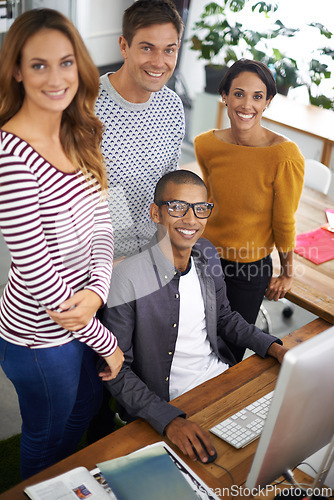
[(74, 484), (154, 472)]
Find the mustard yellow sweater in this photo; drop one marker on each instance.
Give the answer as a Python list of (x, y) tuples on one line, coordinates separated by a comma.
[(256, 192)]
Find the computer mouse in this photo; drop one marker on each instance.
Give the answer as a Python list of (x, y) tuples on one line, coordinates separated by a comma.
[(211, 458)]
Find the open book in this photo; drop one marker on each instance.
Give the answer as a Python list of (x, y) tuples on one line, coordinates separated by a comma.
[(153, 472)]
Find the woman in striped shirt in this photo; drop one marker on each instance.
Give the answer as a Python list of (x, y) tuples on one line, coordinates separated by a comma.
[(55, 221)]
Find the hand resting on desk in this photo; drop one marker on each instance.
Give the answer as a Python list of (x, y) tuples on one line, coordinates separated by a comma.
[(277, 351), (278, 287)]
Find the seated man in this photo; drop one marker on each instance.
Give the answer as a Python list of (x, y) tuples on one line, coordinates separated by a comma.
[(168, 309)]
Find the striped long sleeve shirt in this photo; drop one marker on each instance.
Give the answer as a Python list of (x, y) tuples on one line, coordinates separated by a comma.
[(58, 231)]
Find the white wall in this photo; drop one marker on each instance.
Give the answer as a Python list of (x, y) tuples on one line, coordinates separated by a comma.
[(98, 21), (192, 69), (63, 6), (100, 25)]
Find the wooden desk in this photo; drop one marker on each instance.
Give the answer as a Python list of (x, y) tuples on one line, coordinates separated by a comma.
[(306, 118), (313, 285), (207, 405)]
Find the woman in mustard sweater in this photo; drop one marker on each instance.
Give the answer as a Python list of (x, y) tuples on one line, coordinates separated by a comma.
[(255, 178)]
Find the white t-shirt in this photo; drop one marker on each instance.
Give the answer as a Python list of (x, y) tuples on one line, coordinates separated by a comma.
[(194, 361)]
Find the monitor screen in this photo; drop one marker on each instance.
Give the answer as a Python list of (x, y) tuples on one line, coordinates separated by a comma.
[(301, 416)]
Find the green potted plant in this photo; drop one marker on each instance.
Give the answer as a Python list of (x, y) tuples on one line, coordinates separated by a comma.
[(284, 68), (318, 71), (219, 38), (221, 41), (289, 76)]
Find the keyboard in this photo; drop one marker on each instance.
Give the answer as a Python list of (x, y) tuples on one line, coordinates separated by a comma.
[(246, 425)]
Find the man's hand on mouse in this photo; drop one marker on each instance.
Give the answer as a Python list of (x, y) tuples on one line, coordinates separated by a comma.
[(184, 433)]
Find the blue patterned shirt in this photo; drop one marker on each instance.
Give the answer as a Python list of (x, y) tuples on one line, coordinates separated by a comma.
[(141, 143)]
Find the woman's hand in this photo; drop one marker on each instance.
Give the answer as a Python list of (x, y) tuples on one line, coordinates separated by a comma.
[(278, 287), (115, 362), (281, 284), (77, 311)]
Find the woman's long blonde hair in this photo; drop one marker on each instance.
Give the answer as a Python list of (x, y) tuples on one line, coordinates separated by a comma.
[(81, 130)]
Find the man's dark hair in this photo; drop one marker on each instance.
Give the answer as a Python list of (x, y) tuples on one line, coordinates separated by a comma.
[(250, 66), (144, 13), (177, 177)]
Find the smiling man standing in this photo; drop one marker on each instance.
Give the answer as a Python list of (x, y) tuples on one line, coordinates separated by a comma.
[(143, 119)]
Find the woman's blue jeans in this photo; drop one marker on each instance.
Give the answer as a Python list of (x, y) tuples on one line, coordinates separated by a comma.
[(59, 392)]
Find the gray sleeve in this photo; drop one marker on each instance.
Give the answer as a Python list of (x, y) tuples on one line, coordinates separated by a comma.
[(129, 390), (234, 328)]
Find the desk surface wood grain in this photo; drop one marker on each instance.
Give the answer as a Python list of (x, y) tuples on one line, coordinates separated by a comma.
[(306, 118), (207, 404), (313, 284)]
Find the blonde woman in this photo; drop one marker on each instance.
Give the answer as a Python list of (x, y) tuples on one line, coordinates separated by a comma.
[(54, 218)]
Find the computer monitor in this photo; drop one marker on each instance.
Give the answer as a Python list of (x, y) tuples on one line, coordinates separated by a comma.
[(301, 416)]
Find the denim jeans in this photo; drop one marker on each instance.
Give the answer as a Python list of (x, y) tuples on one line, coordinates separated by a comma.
[(59, 392), (246, 284)]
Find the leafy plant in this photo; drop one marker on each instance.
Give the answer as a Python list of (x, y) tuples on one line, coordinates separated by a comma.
[(216, 36), (319, 71), (284, 68), (221, 41)]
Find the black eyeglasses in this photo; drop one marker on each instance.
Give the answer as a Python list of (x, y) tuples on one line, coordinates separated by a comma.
[(177, 208)]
